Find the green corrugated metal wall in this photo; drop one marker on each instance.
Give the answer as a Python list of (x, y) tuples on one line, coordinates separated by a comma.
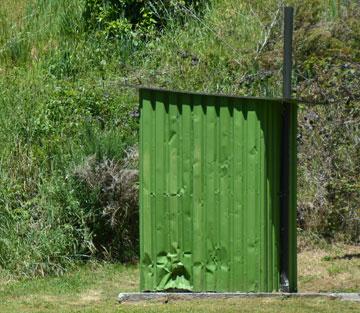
[(209, 193), (292, 248)]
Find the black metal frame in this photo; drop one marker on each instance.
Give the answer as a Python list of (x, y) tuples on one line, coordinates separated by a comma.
[(285, 152)]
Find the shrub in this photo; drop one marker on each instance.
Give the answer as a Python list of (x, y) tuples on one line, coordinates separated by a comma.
[(119, 18), (108, 190)]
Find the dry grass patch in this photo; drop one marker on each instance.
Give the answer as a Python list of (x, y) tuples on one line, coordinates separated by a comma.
[(335, 268), (14, 10)]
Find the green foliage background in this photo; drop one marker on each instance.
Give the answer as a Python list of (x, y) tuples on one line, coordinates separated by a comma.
[(119, 18), (61, 105)]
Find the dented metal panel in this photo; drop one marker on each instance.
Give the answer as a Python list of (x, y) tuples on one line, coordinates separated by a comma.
[(209, 193)]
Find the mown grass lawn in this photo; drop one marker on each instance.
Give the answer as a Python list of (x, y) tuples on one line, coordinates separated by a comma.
[(94, 288)]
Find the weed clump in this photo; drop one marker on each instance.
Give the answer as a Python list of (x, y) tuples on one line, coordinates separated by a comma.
[(108, 189)]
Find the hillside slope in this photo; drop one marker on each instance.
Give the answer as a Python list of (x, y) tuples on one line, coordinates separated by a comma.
[(67, 127)]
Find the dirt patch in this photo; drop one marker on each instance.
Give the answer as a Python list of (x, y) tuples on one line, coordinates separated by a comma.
[(90, 296)]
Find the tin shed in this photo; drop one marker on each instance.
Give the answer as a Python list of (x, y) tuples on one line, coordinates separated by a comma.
[(210, 198)]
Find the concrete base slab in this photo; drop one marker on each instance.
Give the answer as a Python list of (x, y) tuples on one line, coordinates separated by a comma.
[(174, 296)]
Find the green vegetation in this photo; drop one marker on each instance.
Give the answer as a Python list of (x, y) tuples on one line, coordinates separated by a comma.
[(94, 288), (68, 130), (134, 18)]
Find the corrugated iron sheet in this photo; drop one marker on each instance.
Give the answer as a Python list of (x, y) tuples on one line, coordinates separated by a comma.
[(209, 193)]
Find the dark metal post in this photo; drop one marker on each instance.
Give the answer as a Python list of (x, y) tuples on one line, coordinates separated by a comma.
[(285, 152), (288, 39)]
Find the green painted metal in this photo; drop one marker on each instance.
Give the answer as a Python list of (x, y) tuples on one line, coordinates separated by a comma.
[(293, 202), (209, 193)]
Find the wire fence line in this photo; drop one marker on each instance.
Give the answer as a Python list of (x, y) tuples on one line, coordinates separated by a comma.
[(122, 84)]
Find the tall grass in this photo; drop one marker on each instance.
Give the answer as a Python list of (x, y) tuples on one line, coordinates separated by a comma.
[(43, 129), (212, 53), (41, 25)]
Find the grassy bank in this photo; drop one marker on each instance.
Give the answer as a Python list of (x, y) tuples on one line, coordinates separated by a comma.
[(67, 129)]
